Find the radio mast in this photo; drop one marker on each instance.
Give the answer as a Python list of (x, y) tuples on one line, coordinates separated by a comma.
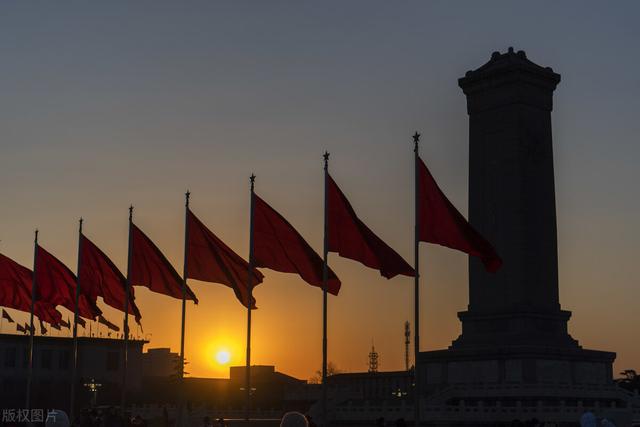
[(373, 360), (407, 341)]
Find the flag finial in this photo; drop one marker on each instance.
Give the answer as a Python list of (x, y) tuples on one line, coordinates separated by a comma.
[(130, 213), (325, 156), (186, 197), (416, 140), (36, 234), (80, 223), (252, 179)]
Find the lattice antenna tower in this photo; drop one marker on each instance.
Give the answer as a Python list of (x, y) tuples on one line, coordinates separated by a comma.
[(373, 359)]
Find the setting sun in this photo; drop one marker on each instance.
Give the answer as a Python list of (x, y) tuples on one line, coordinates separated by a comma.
[(221, 351), (223, 357)]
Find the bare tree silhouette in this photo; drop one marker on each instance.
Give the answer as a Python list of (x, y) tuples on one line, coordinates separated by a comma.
[(332, 369)]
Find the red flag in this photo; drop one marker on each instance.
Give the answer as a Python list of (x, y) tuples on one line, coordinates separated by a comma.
[(47, 312), (108, 324), (441, 223), (351, 238), (15, 284), (150, 268), (6, 316), (100, 277), (56, 284), (81, 322), (15, 291), (210, 260), (278, 246), (65, 323)]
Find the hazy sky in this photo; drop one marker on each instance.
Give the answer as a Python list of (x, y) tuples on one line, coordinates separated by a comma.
[(103, 104)]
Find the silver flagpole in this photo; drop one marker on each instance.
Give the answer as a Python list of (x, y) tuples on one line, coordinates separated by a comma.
[(34, 288), (125, 327), (74, 374), (184, 303), (416, 297), (325, 278), (247, 382)]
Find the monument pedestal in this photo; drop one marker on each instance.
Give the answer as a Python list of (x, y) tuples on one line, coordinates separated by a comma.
[(515, 328), (503, 366), (485, 385)]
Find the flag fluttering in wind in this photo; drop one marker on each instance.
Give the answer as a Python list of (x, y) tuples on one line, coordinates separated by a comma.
[(351, 238), (15, 291), (66, 323), (56, 284), (47, 312), (209, 259), (441, 223), (100, 277), (15, 284), (108, 324), (150, 268), (278, 246), (6, 316), (28, 329)]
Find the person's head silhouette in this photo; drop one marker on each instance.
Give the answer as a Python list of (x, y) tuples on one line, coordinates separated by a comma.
[(294, 419)]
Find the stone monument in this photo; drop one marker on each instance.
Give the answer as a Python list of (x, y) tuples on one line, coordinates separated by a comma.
[(515, 358)]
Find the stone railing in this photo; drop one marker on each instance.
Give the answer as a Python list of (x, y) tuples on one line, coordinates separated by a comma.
[(366, 412), (197, 413)]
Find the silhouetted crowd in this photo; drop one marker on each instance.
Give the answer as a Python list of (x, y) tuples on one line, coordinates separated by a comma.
[(110, 417)]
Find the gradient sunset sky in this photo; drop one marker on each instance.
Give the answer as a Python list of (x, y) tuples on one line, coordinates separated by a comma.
[(107, 104)]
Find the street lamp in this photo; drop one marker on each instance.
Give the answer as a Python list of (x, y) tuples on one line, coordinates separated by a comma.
[(253, 389), (399, 393), (93, 387)]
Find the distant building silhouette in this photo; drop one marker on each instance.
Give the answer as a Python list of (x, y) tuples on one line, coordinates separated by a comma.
[(269, 386), (371, 386), (160, 362), (274, 393), (98, 358)]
